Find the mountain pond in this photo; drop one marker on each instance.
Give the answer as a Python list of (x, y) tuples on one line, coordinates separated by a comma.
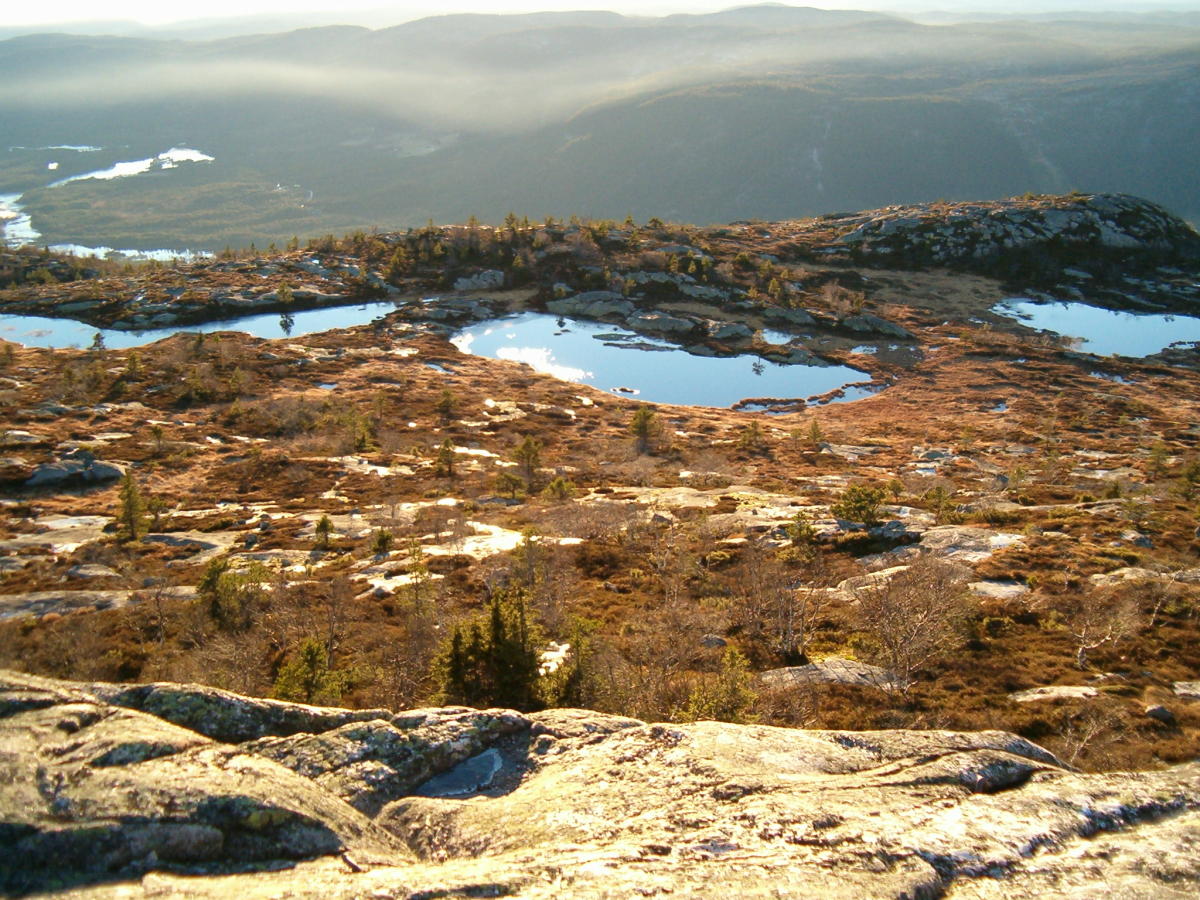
[(622, 361), (1104, 331), (40, 331)]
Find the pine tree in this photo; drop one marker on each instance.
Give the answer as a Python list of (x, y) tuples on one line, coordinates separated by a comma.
[(642, 427), (446, 405), (728, 697), (398, 266), (323, 532), (307, 678), (381, 542), (509, 483), (528, 456), (445, 459), (131, 518), (418, 572), (495, 661)]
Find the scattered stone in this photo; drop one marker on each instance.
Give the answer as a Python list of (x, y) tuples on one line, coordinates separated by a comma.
[(1055, 692), (91, 570), (1188, 690), (1161, 714), (832, 670)]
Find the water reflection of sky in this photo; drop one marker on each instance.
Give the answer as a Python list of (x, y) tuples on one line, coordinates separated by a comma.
[(39, 331), (1105, 331), (610, 358)]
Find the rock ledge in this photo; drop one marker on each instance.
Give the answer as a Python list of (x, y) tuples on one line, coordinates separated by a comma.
[(181, 789)]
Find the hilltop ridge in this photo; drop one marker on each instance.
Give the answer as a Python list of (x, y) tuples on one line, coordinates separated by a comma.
[(1031, 242)]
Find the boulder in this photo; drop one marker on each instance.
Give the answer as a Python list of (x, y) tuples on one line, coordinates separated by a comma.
[(1160, 713), (87, 571), (1055, 692), (795, 356), (1188, 690), (488, 280), (1078, 228), (704, 292), (797, 317), (866, 323), (593, 305), (833, 670), (660, 323), (95, 792), (79, 467), (369, 764), (730, 331), (998, 589)]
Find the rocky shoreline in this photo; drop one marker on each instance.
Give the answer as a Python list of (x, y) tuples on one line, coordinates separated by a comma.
[(1111, 249)]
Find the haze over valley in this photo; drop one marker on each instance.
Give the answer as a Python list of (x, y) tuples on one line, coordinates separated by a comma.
[(761, 112)]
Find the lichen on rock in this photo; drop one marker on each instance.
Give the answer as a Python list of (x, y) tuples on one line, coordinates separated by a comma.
[(110, 799)]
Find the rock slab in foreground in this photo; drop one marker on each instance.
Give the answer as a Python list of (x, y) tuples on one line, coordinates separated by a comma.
[(131, 791)]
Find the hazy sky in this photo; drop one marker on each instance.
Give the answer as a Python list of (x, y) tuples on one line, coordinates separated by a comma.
[(156, 12)]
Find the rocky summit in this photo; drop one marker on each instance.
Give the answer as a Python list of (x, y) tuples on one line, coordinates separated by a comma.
[(170, 789)]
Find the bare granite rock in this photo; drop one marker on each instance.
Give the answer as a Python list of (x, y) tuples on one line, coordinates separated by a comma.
[(113, 790)]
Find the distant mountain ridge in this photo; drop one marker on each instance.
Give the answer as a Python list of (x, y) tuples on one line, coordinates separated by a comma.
[(765, 111)]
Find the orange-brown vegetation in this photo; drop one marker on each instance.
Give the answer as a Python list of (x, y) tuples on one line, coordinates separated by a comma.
[(646, 558)]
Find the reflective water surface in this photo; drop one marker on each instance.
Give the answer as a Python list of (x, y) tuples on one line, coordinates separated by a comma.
[(619, 360), (1104, 331)]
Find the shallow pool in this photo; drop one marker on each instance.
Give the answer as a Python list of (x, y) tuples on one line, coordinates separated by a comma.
[(1104, 331), (40, 331), (621, 361)]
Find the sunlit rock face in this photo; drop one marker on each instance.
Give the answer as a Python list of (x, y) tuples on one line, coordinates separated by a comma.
[(978, 233), (180, 789)]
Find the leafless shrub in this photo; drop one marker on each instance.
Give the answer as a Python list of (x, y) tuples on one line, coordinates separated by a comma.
[(1096, 618), (1089, 736), (649, 676), (774, 607), (916, 617), (593, 519)]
